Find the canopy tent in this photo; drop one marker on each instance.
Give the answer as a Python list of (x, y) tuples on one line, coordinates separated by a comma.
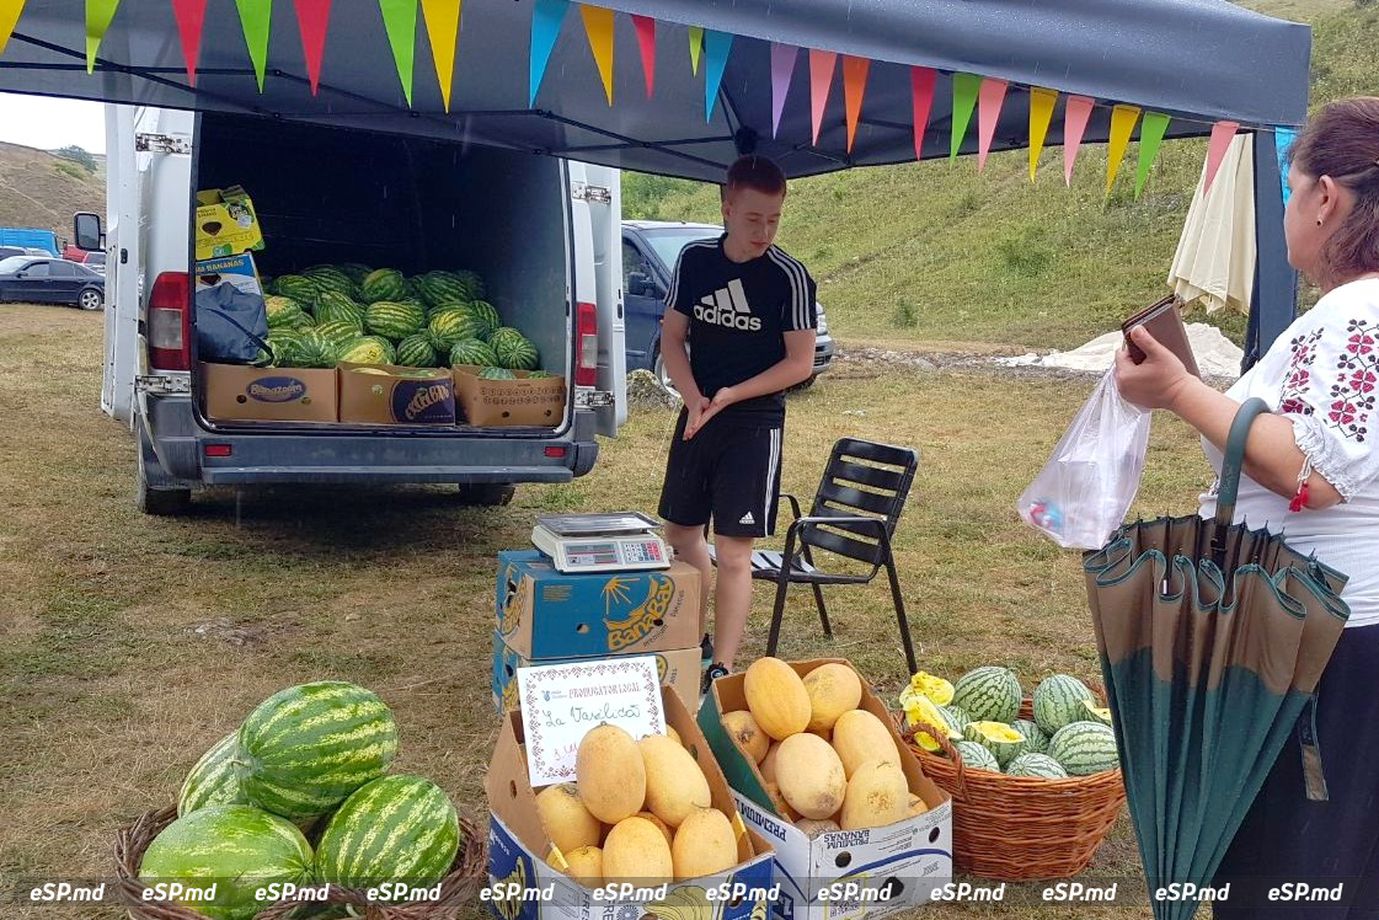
[(1197, 62)]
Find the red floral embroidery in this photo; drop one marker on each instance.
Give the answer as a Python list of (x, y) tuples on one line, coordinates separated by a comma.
[(1351, 397)]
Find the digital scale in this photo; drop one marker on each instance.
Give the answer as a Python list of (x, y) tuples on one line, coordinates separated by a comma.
[(580, 543)]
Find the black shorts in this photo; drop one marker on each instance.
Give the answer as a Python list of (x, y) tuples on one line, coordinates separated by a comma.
[(729, 471)]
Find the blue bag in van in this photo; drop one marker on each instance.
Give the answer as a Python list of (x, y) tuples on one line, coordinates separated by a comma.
[(231, 326)]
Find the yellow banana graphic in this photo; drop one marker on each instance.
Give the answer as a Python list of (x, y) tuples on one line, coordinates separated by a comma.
[(642, 619), (688, 903), (510, 908)]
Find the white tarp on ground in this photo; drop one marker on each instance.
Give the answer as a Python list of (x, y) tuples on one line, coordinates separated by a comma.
[(1217, 356)]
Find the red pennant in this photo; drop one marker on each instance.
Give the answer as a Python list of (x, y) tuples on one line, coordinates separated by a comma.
[(314, 18), (646, 41), (1077, 112), (191, 16), (1222, 133), (821, 64), (989, 102), (922, 83), (855, 71)]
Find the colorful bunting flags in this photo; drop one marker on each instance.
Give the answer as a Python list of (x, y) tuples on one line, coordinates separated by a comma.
[(1041, 103), (821, 64), (855, 71), (696, 40), (1222, 133), (783, 58), (547, 17), (190, 16), (923, 80), (1283, 148), (598, 27), (646, 43), (1123, 118), (99, 14), (716, 48), (313, 17), (966, 87), (254, 18), (1152, 131), (989, 101), (9, 17), (1076, 113), (442, 31), (400, 22)]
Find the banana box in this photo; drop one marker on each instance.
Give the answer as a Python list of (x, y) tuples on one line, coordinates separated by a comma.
[(544, 613)]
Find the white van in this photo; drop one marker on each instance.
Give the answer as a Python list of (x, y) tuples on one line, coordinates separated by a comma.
[(543, 232)]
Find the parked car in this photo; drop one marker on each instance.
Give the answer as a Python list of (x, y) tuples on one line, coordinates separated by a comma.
[(26, 279), (650, 250)]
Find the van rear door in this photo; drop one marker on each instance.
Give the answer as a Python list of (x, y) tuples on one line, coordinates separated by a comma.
[(597, 211)]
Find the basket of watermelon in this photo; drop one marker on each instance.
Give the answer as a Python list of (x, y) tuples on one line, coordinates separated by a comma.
[(295, 815), (1035, 780)]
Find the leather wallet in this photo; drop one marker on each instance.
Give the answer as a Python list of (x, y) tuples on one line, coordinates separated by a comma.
[(1164, 320)]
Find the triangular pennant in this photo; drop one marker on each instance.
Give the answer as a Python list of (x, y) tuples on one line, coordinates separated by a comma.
[(696, 40), (966, 87), (442, 31), (821, 64), (716, 48), (191, 16), (1076, 114), (99, 14), (400, 22), (9, 18), (1041, 103), (547, 17), (855, 71), (992, 96), (313, 17), (646, 43), (1222, 133), (1152, 131), (1123, 118), (923, 80), (254, 19), (598, 26), (1283, 149), (783, 58)]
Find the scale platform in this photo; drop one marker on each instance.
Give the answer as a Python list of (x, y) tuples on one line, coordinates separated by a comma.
[(587, 543)]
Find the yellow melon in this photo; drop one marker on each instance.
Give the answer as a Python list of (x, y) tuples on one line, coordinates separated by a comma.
[(566, 820), (636, 851), (665, 828), (917, 805), (749, 737), (704, 844), (768, 763), (584, 865), (877, 796), (833, 690), (782, 806), (674, 735), (611, 774), (776, 697), (859, 736), (824, 734), (813, 827), (674, 783), (810, 775)]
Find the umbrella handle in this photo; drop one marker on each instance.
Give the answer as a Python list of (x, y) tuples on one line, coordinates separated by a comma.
[(1231, 466)]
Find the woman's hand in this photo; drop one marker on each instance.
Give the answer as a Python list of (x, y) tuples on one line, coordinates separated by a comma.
[(1157, 381)]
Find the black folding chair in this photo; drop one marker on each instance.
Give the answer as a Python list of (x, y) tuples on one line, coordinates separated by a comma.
[(855, 511)]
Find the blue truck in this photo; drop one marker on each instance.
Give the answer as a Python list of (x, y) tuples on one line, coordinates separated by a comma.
[(30, 238)]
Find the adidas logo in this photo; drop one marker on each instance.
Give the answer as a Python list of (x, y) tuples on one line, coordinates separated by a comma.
[(747, 519), (728, 307)]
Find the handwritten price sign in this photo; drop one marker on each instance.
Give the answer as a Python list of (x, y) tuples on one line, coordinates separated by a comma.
[(561, 702)]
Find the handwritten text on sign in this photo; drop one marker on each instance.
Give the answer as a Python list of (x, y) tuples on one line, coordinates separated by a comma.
[(562, 702)]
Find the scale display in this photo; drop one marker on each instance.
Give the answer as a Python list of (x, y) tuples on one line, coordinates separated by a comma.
[(601, 542)]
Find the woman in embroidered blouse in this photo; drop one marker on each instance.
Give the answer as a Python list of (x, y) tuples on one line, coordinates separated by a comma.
[(1312, 471)]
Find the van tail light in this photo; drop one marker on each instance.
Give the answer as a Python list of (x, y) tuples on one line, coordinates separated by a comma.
[(169, 322), (586, 345)]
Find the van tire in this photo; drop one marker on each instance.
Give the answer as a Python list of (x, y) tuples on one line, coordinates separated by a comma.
[(487, 494)]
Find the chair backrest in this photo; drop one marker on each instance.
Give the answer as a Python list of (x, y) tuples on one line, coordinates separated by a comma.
[(865, 479)]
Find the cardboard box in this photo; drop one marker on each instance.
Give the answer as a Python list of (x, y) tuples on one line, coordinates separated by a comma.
[(496, 403), (385, 394), (544, 613), (226, 223), (238, 270), (843, 874), (679, 670), (518, 848), (280, 394)]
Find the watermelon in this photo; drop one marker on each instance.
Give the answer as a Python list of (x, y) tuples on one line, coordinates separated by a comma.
[(998, 738), (237, 848), (472, 282), (354, 271), (956, 717), (1095, 713), (450, 324), (539, 375), (472, 351), (1038, 765), (328, 278), (989, 694), (1035, 739), (368, 349), (315, 348), (213, 781), (299, 287), (283, 312), (487, 316), (417, 351), (1084, 748), (394, 321), (395, 829), (1058, 701), (384, 284), (976, 757), (332, 305), (285, 345), (437, 287), (308, 747), (339, 332), (513, 350), (496, 373)]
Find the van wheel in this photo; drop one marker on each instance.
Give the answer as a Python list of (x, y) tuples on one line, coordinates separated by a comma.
[(161, 502), (658, 367), (487, 494)]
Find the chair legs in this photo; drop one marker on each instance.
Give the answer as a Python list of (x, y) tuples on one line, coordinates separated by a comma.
[(823, 611), (900, 617), (778, 612)]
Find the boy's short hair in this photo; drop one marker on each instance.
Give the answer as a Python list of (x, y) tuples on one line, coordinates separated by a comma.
[(757, 173)]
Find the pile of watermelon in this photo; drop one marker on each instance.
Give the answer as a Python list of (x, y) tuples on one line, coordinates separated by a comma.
[(1070, 735), (300, 793)]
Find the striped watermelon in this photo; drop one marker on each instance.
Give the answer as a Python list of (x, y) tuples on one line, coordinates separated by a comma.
[(989, 694), (354, 271), (315, 348), (308, 747), (998, 738), (394, 321), (283, 312), (417, 351), (238, 848), (496, 373), (1096, 713), (472, 351), (397, 828), (368, 349), (213, 781), (976, 757), (487, 315), (1038, 765), (449, 324), (1084, 748), (956, 717), (286, 346), (298, 287), (384, 284), (1035, 739), (513, 350), (437, 287), (540, 375), (472, 282), (339, 332), (332, 305), (1058, 701)]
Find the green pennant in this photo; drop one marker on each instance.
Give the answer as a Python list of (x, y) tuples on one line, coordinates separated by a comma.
[(254, 18), (966, 88), (1152, 130), (400, 19), (99, 14)]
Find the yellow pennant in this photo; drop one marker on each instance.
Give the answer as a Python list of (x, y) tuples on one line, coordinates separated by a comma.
[(443, 29), (696, 47), (9, 18), (598, 25), (1123, 118), (1041, 103)]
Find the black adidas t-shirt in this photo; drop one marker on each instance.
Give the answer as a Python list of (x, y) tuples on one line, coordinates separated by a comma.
[(738, 314)]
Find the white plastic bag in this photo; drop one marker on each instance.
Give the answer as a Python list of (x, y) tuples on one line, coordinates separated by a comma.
[(1082, 494)]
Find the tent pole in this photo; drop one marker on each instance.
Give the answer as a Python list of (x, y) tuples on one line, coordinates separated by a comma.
[(1274, 304)]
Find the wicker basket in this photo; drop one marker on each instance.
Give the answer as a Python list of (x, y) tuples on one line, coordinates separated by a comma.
[(1016, 828), (457, 889)]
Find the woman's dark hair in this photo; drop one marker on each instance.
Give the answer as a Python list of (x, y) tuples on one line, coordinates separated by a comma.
[(1342, 141)]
